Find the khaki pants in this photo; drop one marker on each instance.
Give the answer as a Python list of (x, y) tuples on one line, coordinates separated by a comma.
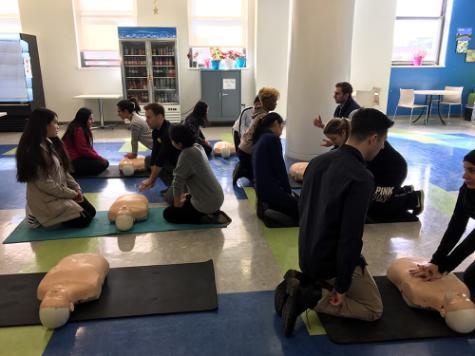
[(362, 301)]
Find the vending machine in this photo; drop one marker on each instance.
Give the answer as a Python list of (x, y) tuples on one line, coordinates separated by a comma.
[(21, 85), (149, 67)]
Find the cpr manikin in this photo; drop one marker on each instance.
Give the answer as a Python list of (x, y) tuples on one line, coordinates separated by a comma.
[(447, 295), (75, 279), (224, 149), (128, 166), (297, 171), (127, 209)]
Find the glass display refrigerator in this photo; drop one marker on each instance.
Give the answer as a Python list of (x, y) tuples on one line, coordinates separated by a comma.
[(21, 85), (149, 67)]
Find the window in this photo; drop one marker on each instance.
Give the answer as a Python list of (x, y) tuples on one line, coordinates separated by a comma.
[(10, 16), (96, 29), (217, 26), (418, 32)]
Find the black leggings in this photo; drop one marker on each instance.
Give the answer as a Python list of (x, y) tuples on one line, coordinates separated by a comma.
[(89, 167), (237, 139), (244, 167), (187, 214), (284, 203), (86, 216), (392, 202)]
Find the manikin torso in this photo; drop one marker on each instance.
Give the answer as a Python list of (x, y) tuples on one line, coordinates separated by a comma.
[(420, 293), (223, 147), (447, 295), (297, 171), (75, 279), (135, 205), (138, 163)]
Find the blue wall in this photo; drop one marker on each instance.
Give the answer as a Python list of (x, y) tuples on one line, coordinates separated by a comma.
[(455, 73)]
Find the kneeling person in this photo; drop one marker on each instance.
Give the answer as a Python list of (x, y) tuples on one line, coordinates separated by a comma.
[(164, 154), (196, 191), (336, 193)]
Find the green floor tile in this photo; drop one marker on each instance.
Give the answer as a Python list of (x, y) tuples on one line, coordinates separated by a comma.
[(24, 340)]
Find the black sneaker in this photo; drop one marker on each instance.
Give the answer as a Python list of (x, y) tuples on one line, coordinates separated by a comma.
[(293, 306), (280, 293), (420, 202)]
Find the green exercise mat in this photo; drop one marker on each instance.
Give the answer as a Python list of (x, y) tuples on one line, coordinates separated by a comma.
[(100, 226)]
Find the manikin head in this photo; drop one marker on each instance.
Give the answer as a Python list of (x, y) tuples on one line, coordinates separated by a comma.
[(124, 220), (128, 168), (225, 151), (55, 308), (459, 312)]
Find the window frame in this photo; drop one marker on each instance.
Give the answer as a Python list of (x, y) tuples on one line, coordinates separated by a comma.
[(243, 19), (12, 16), (97, 15), (442, 19)]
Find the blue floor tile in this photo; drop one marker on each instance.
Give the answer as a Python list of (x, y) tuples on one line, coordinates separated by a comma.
[(244, 324)]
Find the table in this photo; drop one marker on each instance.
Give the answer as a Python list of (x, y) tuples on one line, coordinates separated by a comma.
[(100, 98), (429, 95)]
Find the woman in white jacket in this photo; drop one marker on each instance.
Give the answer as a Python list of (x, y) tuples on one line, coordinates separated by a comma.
[(52, 194)]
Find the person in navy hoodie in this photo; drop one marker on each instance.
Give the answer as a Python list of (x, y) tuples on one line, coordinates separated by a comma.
[(270, 175)]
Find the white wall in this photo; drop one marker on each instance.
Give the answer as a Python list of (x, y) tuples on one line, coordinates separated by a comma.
[(272, 47), (53, 23), (372, 45)]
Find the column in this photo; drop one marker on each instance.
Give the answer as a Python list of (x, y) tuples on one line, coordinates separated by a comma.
[(320, 56)]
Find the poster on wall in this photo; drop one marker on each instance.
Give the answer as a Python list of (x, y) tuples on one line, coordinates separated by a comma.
[(462, 46), (470, 56), (463, 37)]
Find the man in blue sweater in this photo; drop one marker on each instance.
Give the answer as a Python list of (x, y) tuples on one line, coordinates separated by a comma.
[(336, 193)]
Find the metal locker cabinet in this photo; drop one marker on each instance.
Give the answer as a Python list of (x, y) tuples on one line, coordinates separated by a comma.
[(221, 90)]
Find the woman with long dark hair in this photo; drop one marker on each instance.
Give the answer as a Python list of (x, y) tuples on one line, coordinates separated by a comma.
[(52, 194), (270, 175), (139, 130), (78, 141), (196, 120)]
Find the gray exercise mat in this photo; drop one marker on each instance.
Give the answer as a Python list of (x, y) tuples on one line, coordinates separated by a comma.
[(399, 322), (128, 291)]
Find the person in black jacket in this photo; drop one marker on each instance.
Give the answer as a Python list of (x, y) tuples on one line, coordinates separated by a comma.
[(337, 190), (196, 120), (164, 155), (270, 175), (448, 256)]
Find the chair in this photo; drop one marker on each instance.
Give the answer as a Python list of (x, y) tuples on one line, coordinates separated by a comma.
[(455, 99), (406, 100)]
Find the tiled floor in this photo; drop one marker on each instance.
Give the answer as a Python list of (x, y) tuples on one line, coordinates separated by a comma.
[(245, 266)]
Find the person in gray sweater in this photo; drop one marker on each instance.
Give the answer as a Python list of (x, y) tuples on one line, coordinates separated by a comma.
[(197, 194)]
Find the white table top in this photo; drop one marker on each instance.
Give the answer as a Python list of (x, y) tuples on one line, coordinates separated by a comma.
[(3, 114), (98, 96), (436, 92)]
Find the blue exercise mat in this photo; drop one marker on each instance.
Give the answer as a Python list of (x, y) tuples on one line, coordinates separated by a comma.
[(100, 226)]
